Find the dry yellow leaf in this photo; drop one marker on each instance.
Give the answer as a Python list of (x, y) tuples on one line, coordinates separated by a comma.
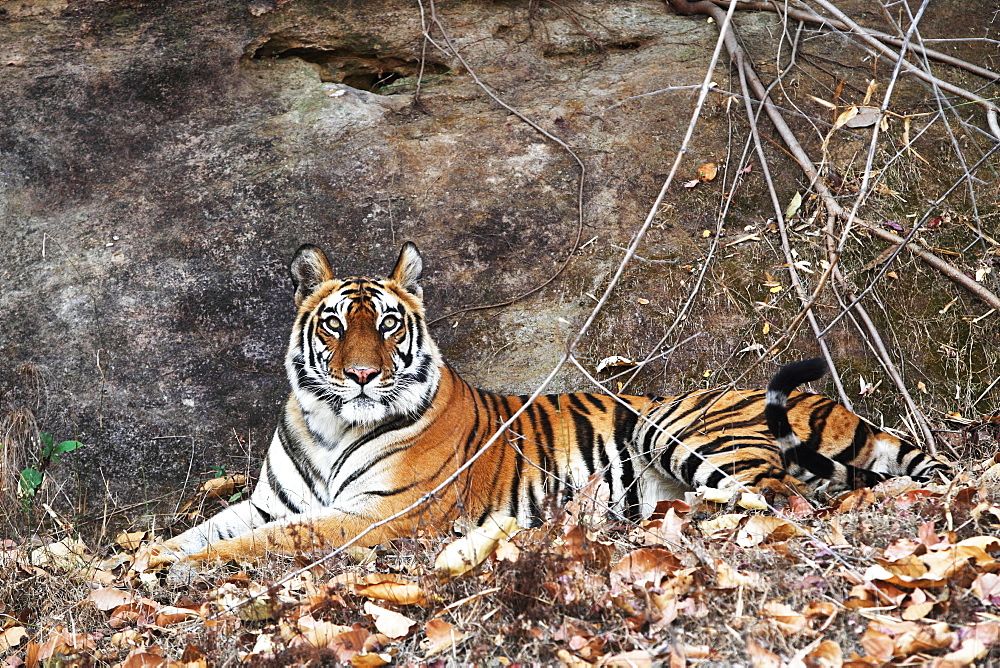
[(720, 523), (760, 528), (131, 540), (707, 171), (465, 553), (845, 116), (917, 611)]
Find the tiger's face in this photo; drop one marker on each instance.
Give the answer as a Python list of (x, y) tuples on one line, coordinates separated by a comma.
[(360, 351)]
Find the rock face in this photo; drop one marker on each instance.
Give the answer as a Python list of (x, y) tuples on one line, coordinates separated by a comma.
[(160, 163)]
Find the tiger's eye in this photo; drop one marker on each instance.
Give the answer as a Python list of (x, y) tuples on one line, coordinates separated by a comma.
[(333, 326), (389, 323)]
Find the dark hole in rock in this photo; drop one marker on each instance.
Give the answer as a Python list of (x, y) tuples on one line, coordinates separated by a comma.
[(364, 71)]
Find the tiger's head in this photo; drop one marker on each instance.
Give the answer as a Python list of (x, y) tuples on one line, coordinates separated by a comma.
[(360, 351)]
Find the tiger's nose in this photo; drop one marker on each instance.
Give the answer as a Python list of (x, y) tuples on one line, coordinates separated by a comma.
[(360, 374)]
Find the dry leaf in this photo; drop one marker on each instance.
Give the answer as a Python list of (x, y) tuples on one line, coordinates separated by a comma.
[(987, 587), (366, 659), (863, 117), (12, 637), (826, 655), (614, 361), (389, 622), (760, 528), (707, 171), (223, 486), (787, 619), (465, 553), (793, 206), (638, 658), (720, 523), (440, 636), (394, 592), (917, 610), (131, 540), (109, 598), (727, 577), (61, 641), (761, 658), (66, 554), (845, 116)]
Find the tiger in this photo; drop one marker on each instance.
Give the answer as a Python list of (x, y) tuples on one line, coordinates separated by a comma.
[(380, 436)]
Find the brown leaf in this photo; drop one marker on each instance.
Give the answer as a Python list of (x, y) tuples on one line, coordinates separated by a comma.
[(727, 577), (787, 619), (318, 633), (707, 171), (905, 638), (131, 541), (61, 641), (144, 658), (172, 614), (917, 611), (224, 486), (440, 636), (761, 658), (193, 657), (366, 659), (643, 567), (394, 592), (987, 587), (346, 645), (826, 655)]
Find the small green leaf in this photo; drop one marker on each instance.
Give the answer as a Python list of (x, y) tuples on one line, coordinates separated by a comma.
[(220, 471), (31, 480), (236, 497), (66, 446)]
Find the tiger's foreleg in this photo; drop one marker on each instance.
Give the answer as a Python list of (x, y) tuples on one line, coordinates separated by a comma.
[(298, 534), (236, 520)]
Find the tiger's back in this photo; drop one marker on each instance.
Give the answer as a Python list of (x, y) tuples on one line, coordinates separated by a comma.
[(377, 423)]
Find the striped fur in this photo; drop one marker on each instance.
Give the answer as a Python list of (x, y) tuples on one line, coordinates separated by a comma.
[(376, 419)]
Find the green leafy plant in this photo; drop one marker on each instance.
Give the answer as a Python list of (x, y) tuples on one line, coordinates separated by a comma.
[(32, 477)]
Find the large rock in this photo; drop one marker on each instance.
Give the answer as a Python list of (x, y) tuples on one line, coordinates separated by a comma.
[(160, 162)]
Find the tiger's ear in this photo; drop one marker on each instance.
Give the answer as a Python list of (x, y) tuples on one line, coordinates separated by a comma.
[(409, 266), (309, 268)]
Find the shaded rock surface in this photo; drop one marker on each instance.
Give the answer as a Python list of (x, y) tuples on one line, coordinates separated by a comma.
[(160, 162)]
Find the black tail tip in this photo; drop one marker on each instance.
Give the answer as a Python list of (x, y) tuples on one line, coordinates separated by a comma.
[(792, 375)]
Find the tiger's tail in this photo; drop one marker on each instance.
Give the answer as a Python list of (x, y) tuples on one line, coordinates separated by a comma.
[(793, 450)]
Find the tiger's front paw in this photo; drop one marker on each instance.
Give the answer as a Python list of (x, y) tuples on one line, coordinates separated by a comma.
[(156, 556)]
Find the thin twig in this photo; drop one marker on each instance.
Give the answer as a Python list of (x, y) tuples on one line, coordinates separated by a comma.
[(812, 17)]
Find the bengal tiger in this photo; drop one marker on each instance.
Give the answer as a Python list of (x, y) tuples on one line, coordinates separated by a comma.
[(376, 420)]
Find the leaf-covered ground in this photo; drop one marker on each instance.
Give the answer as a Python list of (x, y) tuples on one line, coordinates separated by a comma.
[(899, 575)]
